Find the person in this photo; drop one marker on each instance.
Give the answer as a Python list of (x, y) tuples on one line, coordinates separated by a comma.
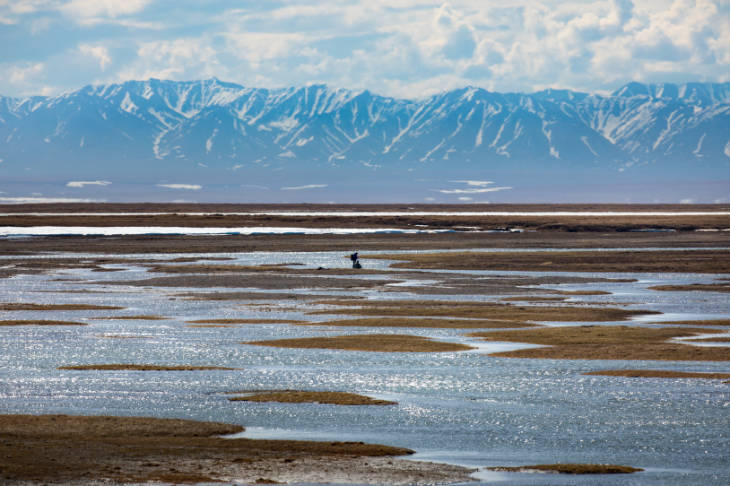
[(355, 260)]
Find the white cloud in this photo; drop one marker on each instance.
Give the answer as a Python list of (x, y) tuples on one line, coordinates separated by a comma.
[(94, 10), (189, 187), (22, 74), (300, 188), (87, 183), (475, 183), (472, 191), (98, 52)]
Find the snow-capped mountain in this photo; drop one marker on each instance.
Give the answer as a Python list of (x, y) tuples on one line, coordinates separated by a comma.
[(222, 128)]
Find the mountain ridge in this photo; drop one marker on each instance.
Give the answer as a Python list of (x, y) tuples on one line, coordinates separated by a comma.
[(206, 127)]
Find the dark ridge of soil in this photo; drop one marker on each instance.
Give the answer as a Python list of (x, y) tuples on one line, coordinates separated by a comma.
[(259, 281), (35, 322), (571, 469), (27, 306), (141, 367), (659, 374)]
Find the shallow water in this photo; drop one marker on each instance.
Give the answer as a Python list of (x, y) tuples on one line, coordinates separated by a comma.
[(464, 408)]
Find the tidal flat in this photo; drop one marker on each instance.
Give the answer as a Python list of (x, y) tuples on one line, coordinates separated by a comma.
[(574, 366)]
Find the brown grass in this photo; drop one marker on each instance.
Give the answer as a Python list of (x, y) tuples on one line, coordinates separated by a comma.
[(323, 397), (63, 449), (706, 322), (479, 310), (571, 469), (40, 323), (659, 374), (23, 306), (693, 287), (686, 261), (607, 342), (385, 343), (531, 298), (141, 367), (584, 292), (131, 318), (423, 323)]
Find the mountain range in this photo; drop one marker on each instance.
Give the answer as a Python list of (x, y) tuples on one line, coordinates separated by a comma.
[(254, 143)]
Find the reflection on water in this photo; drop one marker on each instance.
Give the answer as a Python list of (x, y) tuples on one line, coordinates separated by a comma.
[(464, 408)]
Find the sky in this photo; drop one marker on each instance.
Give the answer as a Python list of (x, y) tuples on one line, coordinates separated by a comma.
[(401, 48)]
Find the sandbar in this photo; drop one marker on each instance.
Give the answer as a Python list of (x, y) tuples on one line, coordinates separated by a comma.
[(385, 343), (718, 287), (570, 469), (297, 396), (481, 310), (607, 342), (423, 323), (40, 323), (24, 306), (686, 261), (659, 374), (141, 367)]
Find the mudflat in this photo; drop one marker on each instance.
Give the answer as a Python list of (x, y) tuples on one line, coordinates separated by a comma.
[(659, 374), (300, 396), (62, 449)]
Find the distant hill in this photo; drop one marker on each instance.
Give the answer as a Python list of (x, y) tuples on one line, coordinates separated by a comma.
[(216, 133)]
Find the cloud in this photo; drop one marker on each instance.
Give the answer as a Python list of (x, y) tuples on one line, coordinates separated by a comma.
[(474, 183), (404, 48), (300, 188), (87, 183), (188, 187), (472, 191), (100, 53)]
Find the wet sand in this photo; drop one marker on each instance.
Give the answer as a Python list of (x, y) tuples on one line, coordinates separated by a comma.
[(60, 449), (430, 323), (29, 306)]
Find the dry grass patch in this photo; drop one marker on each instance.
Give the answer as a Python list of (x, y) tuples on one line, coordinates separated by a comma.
[(659, 374), (385, 343), (607, 342), (571, 469), (693, 287), (132, 318), (532, 298), (141, 367), (706, 322), (423, 323), (584, 292), (686, 261), (24, 306), (323, 397), (478, 310), (60, 449), (40, 323)]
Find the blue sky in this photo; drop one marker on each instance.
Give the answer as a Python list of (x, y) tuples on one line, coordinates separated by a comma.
[(403, 48)]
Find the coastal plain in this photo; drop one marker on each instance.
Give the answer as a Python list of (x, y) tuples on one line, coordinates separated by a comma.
[(560, 295)]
